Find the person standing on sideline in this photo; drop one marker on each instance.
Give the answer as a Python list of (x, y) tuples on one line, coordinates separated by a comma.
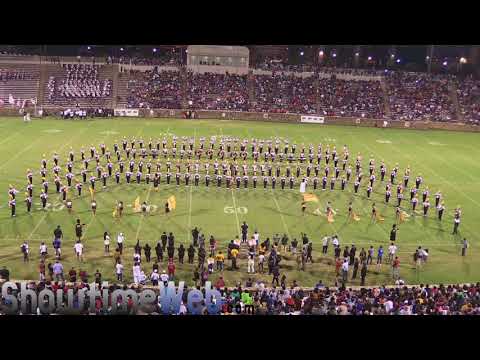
[(344, 271), (393, 233), (120, 240), (325, 245), (24, 248), (363, 274), (244, 232), (119, 271), (392, 249), (106, 243), (355, 268), (464, 246)]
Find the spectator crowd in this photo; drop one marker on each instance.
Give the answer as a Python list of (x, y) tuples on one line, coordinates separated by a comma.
[(468, 92)]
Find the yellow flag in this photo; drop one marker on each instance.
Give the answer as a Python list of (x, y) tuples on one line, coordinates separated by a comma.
[(114, 214), (380, 218), (403, 216), (92, 192), (172, 202), (356, 217), (330, 218), (310, 197), (136, 206)]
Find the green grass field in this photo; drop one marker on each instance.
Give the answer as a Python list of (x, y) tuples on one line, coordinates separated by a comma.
[(448, 161)]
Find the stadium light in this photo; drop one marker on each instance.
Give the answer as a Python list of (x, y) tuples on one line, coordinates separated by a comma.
[(463, 60), (427, 58), (369, 58), (357, 54), (121, 49), (301, 53), (445, 63), (334, 55), (320, 53), (392, 56), (154, 50), (88, 47), (398, 61)]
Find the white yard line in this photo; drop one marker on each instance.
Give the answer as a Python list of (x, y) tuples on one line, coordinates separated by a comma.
[(142, 216), (285, 226), (189, 224), (236, 215), (9, 137)]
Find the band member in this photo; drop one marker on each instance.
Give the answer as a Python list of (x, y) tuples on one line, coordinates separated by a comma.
[(369, 191), (438, 197), (356, 185), (324, 182), (13, 204), (291, 182), (120, 208), (79, 186), (304, 207), (349, 172), (350, 210), (274, 181), (418, 181), (254, 179), (456, 220), (315, 183), (117, 177), (104, 179), (388, 193), (265, 182), (414, 203), (344, 182), (196, 179), (413, 192), (207, 180), (426, 206), (425, 194), (383, 171), (28, 202), (332, 183), (43, 199), (440, 209), (399, 198)]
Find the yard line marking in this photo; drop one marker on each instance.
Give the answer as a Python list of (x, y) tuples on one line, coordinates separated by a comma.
[(281, 215), (142, 216), (189, 224), (20, 153), (236, 215)]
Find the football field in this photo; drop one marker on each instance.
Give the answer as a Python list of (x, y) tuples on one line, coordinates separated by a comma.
[(448, 161)]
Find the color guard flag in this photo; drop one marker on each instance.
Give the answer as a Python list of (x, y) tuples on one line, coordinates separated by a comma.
[(403, 216), (114, 214), (330, 218), (172, 202), (356, 217), (136, 205), (380, 218), (310, 197), (92, 192)]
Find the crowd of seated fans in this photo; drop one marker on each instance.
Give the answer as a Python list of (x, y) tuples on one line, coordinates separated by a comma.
[(468, 93), (294, 300), (217, 91), (419, 96), (155, 89), (51, 87), (284, 93), (355, 98), (14, 74)]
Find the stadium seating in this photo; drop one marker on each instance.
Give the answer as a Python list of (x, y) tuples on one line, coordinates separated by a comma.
[(84, 84), (19, 80)]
